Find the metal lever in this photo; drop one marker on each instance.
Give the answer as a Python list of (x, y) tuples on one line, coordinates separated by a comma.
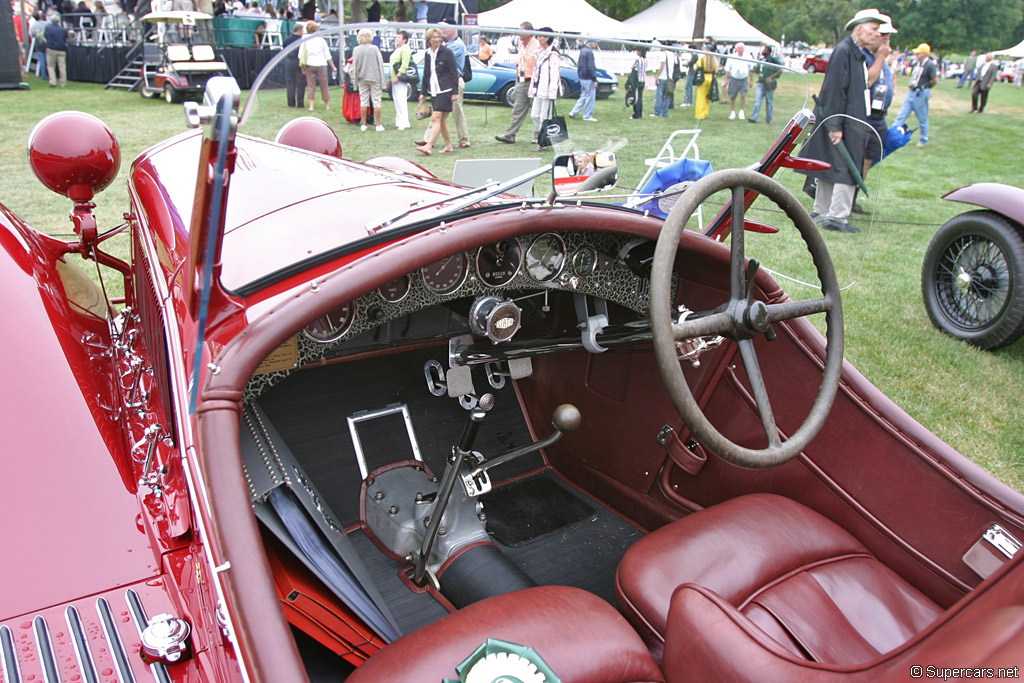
[(566, 419), (460, 452)]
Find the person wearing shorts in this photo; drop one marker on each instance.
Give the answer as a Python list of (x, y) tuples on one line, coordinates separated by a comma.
[(739, 81), (368, 73)]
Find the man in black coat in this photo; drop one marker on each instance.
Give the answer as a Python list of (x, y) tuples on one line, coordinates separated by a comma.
[(845, 91)]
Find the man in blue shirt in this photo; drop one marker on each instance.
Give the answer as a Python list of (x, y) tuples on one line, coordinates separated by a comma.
[(922, 79), (56, 51), (587, 68), (421, 11), (458, 48)]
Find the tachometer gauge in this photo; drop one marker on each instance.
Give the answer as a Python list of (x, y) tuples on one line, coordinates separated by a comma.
[(545, 257), (447, 275), (396, 290), (332, 326), (497, 264)]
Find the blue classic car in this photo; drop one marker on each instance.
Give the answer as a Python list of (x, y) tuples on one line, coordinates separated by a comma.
[(495, 82)]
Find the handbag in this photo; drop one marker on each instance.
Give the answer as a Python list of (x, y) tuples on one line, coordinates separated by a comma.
[(410, 75), (714, 95), (552, 131), (302, 56), (698, 76), (423, 111)]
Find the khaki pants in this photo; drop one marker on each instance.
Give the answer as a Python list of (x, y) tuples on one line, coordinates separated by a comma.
[(459, 115), (57, 60)]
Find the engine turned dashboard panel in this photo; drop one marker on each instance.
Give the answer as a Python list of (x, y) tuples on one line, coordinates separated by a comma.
[(436, 301)]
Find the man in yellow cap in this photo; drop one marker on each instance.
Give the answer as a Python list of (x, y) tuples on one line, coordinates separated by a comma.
[(923, 77)]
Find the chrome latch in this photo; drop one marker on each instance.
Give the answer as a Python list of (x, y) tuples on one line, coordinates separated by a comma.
[(166, 638), (1001, 539)]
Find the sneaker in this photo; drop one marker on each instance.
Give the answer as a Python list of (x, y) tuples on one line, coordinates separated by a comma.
[(838, 226), (742, 116), (507, 139), (572, 115), (363, 127), (922, 144), (591, 120), (380, 129), (751, 120), (732, 115)]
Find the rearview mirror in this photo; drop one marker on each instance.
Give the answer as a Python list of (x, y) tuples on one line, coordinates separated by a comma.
[(583, 172)]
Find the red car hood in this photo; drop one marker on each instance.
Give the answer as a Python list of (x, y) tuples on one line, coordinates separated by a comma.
[(68, 511)]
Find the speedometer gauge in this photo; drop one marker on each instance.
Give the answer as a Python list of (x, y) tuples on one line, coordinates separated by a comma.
[(447, 275), (497, 264), (333, 326), (545, 257)]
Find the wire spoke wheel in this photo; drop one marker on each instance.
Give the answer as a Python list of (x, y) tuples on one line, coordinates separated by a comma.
[(971, 279)]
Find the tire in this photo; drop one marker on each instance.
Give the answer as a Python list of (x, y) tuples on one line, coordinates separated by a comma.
[(811, 69), (147, 92), (507, 95), (566, 89), (171, 95), (972, 281)]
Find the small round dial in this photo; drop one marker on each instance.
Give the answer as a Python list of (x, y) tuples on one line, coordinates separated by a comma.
[(584, 261), (333, 326), (447, 275), (546, 257), (396, 290), (497, 264)]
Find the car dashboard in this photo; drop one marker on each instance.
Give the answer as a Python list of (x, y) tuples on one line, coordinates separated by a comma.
[(526, 276)]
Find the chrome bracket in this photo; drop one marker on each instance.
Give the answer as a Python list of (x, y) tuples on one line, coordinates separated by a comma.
[(691, 350)]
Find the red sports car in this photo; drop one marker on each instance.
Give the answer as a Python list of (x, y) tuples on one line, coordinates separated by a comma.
[(352, 422)]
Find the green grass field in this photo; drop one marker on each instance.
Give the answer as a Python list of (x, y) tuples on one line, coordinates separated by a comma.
[(972, 399)]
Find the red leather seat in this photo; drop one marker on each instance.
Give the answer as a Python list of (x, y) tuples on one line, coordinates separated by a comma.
[(808, 587), (581, 637)]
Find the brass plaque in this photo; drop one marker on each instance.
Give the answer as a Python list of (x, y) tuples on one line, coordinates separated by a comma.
[(284, 357)]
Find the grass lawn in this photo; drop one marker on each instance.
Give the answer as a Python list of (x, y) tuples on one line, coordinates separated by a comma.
[(972, 399)]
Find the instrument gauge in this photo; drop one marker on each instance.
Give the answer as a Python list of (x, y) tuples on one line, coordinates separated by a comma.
[(333, 326), (584, 261), (546, 257), (447, 275), (498, 264), (396, 290)]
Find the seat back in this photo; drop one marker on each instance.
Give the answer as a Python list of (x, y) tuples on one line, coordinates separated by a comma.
[(203, 53), (178, 53), (709, 639)]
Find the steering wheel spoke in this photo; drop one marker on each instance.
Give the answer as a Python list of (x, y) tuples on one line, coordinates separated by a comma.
[(798, 309), (737, 249), (760, 391), (714, 325)]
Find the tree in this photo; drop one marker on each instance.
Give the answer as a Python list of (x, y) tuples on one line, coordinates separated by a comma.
[(699, 18)]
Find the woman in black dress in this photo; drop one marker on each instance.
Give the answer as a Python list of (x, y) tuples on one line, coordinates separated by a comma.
[(440, 80)]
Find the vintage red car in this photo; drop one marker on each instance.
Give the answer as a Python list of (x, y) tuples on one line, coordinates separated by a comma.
[(354, 422)]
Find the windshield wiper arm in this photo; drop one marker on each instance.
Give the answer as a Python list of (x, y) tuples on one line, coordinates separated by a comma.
[(469, 198)]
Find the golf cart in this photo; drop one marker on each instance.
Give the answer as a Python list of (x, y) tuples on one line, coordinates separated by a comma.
[(182, 59)]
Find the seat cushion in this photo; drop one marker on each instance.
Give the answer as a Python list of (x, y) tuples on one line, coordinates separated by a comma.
[(581, 637), (802, 579)]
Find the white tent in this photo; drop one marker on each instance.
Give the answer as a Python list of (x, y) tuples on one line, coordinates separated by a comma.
[(673, 20), (569, 16), (1015, 51)]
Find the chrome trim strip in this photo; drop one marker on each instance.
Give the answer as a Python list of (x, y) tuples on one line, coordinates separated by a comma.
[(197, 490), (9, 656), (141, 620), (121, 663), (44, 647), (81, 645)]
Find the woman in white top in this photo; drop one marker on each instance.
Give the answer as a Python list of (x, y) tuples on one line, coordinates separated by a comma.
[(317, 57), (547, 80)]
